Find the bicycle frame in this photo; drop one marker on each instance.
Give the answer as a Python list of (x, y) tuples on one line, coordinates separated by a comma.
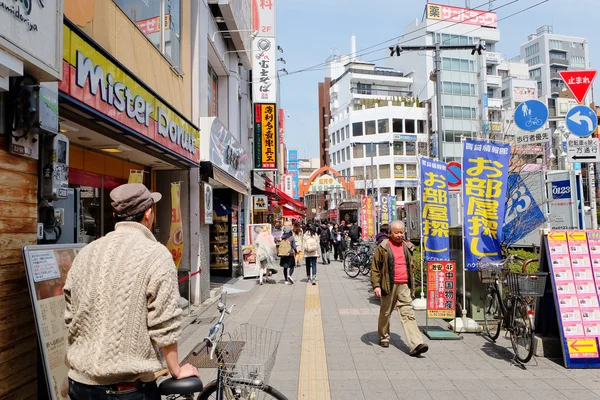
[(506, 316)]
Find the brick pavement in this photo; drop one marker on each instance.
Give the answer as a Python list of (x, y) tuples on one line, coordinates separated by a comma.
[(357, 368)]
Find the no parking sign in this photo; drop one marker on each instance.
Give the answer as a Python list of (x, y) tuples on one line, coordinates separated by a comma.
[(454, 176)]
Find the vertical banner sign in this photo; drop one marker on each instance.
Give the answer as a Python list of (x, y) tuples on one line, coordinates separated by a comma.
[(435, 210), (265, 124), (264, 47), (363, 215), (293, 171), (136, 176), (441, 289), (385, 211), (175, 242), (485, 174), (370, 218), (393, 208)]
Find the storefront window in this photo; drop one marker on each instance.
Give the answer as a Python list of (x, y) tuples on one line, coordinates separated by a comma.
[(90, 212), (411, 171), (399, 148), (146, 15), (399, 171), (411, 149)]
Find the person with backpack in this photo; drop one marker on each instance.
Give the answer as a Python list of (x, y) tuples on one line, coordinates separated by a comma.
[(355, 232), (299, 239), (287, 254), (325, 239), (311, 253), (337, 243)]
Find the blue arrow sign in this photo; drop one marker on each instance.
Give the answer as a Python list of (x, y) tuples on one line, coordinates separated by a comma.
[(582, 121), (531, 115)]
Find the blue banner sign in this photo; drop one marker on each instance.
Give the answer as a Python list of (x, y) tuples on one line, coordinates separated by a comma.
[(293, 170), (435, 210), (485, 174), (394, 208), (385, 211), (523, 214)]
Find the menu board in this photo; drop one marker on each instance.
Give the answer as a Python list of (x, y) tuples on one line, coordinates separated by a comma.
[(47, 268), (441, 289), (574, 261)]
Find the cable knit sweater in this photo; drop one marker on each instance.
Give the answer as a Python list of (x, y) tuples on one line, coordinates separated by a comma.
[(122, 304)]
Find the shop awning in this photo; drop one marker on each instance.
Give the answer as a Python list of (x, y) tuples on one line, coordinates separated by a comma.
[(207, 168), (287, 213), (292, 204)]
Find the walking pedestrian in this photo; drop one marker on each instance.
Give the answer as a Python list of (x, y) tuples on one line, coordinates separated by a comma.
[(266, 254), (311, 253), (337, 243), (355, 232), (384, 231), (287, 254), (299, 239), (324, 239), (125, 286), (392, 283)]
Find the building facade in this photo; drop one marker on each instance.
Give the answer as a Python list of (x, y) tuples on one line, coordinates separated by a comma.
[(324, 120)]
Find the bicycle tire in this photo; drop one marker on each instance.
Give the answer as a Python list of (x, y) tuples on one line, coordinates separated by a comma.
[(351, 267), (521, 329), (365, 268), (492, 316), (211, 389)]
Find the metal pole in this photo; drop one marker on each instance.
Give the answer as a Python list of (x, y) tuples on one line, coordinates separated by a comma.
[(438, 98), (373, 197), (592, 195)]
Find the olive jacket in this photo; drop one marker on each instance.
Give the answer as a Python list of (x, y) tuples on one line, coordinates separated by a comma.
[(382, 268)]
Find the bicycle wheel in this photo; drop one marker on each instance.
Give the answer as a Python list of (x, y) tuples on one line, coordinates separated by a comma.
[(365, 267), (492, 315), (521, 334), (352, 264), (266, 392)]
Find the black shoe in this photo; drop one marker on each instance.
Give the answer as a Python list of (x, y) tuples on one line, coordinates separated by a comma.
[(420, 349), (384, 344)]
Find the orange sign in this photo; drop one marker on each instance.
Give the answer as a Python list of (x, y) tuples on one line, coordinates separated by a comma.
[(557, 235), (175, 243), (577, 235), (265, 140), (583, 348)]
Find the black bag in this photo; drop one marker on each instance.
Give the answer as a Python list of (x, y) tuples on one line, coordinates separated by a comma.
[(355, 233), (324, 235)]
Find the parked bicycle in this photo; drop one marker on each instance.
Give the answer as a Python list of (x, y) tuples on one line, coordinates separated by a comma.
[(245, 360), (359, 259), (516, 315)]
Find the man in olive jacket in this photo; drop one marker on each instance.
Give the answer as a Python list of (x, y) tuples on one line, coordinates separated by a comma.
[(392, 282)]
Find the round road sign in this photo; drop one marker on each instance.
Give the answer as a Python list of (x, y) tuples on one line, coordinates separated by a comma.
[(454, 174)]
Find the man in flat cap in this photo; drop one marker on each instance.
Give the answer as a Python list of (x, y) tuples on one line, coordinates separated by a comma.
[(122, 306)]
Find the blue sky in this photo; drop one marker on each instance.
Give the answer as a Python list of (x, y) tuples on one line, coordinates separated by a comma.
[(309, 30)]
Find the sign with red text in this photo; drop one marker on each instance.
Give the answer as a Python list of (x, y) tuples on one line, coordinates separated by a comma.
[(265, 138), (579, 82), (441, 289), (462, 15)]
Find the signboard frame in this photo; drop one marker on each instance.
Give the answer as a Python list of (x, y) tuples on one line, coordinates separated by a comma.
[(436, 332)]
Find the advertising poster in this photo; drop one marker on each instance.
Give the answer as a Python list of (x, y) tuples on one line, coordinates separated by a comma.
[(522, 215), (175, 242), (249, 262), (441, 289), (47, 269), (370, 218), (485, 174), (363, 216), (385, 211), (393, 208), (254, 230), (265, 142), (136, 176), (435, 210)]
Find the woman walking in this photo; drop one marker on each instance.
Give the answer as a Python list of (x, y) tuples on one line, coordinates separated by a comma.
[(299, 239), (312, 251), (287, 253), (266, 254)]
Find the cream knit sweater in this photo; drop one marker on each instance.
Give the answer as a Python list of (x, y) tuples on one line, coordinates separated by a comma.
[(122, 304)]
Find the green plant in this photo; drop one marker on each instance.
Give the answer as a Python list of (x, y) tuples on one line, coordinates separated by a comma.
[(516, 266)]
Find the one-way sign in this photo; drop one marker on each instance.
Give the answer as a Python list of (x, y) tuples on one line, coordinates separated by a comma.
[(583, 150)]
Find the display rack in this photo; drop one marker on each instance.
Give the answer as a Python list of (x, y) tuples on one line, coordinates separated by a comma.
[(220, 244)]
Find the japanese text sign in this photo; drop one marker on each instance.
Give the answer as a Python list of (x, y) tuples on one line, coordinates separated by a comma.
[(522, 139), (265, 141), (435, 210), (485, 174), (579, 82), (264, 17), (462, 15), (441, 289), (370, 218), (385, 212), (293, 171), (363, 215), (264, 67)]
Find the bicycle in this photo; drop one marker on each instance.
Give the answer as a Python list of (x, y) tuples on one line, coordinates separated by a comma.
[(359, 260), (245, 362), (516, 316), (533, 121)]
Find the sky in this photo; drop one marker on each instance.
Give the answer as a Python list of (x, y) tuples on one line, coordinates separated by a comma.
[(310, 31)]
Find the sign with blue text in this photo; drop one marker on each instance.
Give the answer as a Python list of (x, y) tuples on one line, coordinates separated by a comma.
[(293, 171), (581, 121), (393, 206), (385, 211), (435, 210), (485, 174), (531, 115)]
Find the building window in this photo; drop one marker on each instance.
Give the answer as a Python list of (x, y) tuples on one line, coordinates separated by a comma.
[(531, 50), (456, 64), (398, 148), (332, 139), (398, 171), (347, 131), (423, 148), (371, 150), (343, 134), (343, 155), (400, 194), (410, 125), (411, 149), (558, 55), (535, 73), (370, 127), (578, 62), (371, 171), (357, 129), (348, 153), (411, 171), (146, 15), (384, 149), (533, 61), (384, 171), (383, 126), (359, 151), (358, 173), (363, 88), (337, 135), (213, 92), (333, 159), (397, 125), (458, 112), (420, 126), (555, 44)]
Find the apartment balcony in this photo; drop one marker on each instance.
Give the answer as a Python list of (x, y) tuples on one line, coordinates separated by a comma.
[(496, 104), (559, 61), (556, 89), (493, 58), (555, 76), (379, 92), (395, 101), (494, 81)]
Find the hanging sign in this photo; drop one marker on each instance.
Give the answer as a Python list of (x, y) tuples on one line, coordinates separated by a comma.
[(175, 242), (265, 127), (441, 289), (260, 204), (434, 210)]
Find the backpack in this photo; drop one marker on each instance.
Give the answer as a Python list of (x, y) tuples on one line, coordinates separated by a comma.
[(355, 232), (325, 235), (285, 248), (310, 244)]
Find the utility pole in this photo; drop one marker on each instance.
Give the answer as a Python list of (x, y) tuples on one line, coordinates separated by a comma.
[(437, 48), (373, 190)]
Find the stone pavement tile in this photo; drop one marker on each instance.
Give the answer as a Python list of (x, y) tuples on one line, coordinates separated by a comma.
[(401, 375), (438, 384), (342, 374), (447, 394), (531, 384), (376, 387), (587, 383), (365, 362), (518, 373), (481, 366), (422, 364), (512, 395), (281, 375), (407, 385), (467, 385), (346, 395), (579, 394), (500, 384), (430, 374), (563, 383), (414, 395), (344, 385), (546, 395), (460, 374), (339, 363), (480, 395), (548, 373)]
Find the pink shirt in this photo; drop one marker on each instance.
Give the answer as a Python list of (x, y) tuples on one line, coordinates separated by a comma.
[(400, 270)]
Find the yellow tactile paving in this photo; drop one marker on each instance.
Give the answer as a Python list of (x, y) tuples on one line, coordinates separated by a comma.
[(313, 382)]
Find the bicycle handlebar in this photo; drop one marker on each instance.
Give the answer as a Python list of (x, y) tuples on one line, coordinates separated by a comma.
[(214, 330), (200, 347)]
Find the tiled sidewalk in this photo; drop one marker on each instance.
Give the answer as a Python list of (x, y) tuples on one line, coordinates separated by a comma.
[(357, 368)]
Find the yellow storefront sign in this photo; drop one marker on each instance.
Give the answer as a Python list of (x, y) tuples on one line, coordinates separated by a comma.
[(175, 242), (582, 348)]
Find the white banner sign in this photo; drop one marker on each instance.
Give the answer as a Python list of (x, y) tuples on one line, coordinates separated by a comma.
[(264, 70), (526, 138)]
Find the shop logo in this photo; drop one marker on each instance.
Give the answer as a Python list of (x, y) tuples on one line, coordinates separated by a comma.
[(27, 4)]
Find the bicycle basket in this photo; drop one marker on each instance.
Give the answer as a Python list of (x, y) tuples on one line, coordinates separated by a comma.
[(532, 285), (249, 357), (487, 273)]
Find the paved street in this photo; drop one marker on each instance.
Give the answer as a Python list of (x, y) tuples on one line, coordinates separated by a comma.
[(329, 349)]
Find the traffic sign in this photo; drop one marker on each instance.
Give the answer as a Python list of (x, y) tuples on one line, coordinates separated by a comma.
[(582, 121), (454, 174), (531, 115), (583, 150), (579, 82), (526, 138)]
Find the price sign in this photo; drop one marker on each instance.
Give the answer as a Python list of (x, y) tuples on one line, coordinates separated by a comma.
[(441, 289)]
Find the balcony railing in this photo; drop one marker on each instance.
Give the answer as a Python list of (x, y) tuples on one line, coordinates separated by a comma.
[(396, 102), (495, 103), (559, 61), (494, 80), (555, 75), (379, 91)]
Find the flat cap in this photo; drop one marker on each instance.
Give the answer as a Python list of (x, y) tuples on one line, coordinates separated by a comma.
[(132, 198)]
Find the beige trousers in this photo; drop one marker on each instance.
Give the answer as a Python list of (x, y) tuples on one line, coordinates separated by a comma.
[(401, 299)]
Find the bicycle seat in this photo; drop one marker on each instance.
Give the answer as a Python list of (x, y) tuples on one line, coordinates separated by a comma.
[(180, 386)]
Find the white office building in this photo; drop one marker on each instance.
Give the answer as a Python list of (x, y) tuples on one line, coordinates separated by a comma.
[(376, 129)]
